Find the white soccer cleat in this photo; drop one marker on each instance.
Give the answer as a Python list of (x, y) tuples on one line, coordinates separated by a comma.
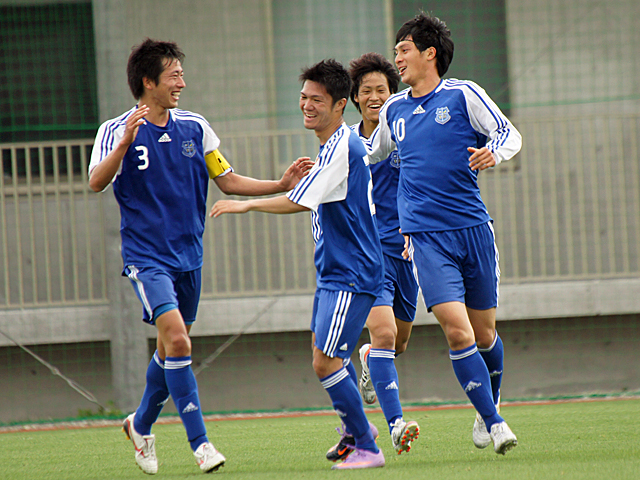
[(208, 458), (145, 446), (503, 438), (481, 437), (402, 434), (367, 390)]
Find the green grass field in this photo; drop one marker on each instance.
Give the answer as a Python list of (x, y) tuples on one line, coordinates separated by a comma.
[(582, 440)]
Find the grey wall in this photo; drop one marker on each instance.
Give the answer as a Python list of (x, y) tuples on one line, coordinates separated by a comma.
[(543, 358), (573, 57)]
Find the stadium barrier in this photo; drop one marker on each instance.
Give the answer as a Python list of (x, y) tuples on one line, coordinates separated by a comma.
[(566, 211)]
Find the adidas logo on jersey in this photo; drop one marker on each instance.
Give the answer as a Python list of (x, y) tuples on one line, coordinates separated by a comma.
[(472, 386), (392, 386), (190, 408), (344, 347), (164, 138), (418, 110)]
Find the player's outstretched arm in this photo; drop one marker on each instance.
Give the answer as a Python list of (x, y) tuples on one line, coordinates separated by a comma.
[(103, 173), (296, 172), (279, 205), (235, 184)]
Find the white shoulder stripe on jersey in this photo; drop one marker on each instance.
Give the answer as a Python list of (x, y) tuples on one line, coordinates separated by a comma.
[(452, 84), (110, 127), (324, 158)]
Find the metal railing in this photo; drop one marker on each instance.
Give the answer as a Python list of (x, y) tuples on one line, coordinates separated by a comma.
[(566, 208)]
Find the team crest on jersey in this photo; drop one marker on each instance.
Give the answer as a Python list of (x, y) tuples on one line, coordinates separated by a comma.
[(188, 148), (442, 115), (394, 160)]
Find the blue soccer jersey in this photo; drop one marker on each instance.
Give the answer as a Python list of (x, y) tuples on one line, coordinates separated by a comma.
[(161, 188), (385, 176), (348, 255), (437, 189)]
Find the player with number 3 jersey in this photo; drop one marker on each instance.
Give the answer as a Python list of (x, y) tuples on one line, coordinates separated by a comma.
[(159, 160)]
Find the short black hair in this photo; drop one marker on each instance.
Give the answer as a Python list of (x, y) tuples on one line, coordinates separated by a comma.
[(429, 31), (368, 63), (331, 75), (148, 60)]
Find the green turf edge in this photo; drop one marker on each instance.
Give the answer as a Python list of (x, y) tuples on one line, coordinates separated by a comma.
[(553, 398)]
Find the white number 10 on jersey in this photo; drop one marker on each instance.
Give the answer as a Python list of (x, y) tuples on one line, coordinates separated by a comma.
[(399, 130)]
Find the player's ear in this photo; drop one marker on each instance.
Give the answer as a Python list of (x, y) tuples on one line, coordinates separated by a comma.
[(341, 104), (430, 53), (147, 83)]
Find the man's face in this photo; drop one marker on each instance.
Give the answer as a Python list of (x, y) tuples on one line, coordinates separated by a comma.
[(372, 93), (317, 107), (171, 82), (411, 62)]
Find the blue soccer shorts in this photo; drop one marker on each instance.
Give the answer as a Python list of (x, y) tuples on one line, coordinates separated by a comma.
[(457, 266), (338, 320), (156, 286), (400, 289)]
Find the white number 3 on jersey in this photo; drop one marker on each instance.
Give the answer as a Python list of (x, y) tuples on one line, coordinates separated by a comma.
[(144, 157)]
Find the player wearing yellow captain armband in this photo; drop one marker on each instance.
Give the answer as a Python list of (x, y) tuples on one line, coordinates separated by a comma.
[(216, 164), (159, 160)]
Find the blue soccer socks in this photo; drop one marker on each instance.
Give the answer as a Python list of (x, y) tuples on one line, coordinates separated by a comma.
[(154, 397), (348, 405), (474, 378), (184, 389), (494, 359), (384, 377)]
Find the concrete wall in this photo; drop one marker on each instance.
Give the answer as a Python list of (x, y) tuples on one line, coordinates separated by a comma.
[(225, 68), (576, 57), (543, 358)]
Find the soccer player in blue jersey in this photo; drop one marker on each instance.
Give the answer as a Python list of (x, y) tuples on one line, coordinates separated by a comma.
[(390, 320), (348, 256), (159, 160), (446, 132)]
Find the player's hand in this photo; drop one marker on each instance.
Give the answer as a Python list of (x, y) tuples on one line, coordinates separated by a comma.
[(405, 252), (481, 158), (228, 206), (133, 124), (296, 172)]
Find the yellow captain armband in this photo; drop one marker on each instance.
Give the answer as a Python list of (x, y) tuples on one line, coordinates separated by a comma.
[(216, 164)]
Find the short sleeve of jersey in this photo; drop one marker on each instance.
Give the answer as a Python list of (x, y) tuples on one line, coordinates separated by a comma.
[(210, 140), (108, 137), (381, 143), (327, 180)]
